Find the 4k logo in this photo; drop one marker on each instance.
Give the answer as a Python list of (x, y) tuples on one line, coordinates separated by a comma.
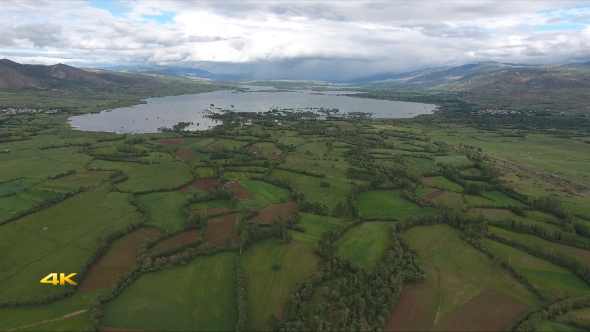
[(52, 279)]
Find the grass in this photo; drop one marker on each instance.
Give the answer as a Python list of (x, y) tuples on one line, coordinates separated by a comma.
[(205, 172), (226, 144), (550, 279), (533, 241), (29, 253), (541, 151), (442, 183), (74, 181), (328, 165), (314, 227), (210, 204), (492, 214), (423, 165), (502, 199), (22, 201), (468, 287), (421, 192), (265, 192), (197, 297), (164, 208), (313, 148), (269, 289), (471, 171), (200, 156), (453, 160), (16, 317), (465, 271), (38, 164), (365, 243), (478, 200), (76, 323), (380, 203), (582, 313), (290, 140), (146, 177), (339, 186), (551, 326), (449, 198)]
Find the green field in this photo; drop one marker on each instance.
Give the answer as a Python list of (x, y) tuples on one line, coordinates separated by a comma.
[(200, 156), (210, 204), (165, 208), (442, 183), (464, 289), (478, 200), (22, 201), (225, 144), (550, 326), (533, 241), (28, 252), (335, 164), (314, 227), (381, 203), (36, 164), (501, 198), (364, 244), (540, 151), (460, 273), (205, 172), (449, 198), (456, 159), (268, 289), (421, 192), (74, 181), (582, 313), (471, 171), (146, 177), (421, 164), (340, 186), (313, 148), (17, 317), (264, 192), (550, 278), (197, 297)]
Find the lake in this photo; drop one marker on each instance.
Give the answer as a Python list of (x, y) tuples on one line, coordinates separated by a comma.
[(168, 111)]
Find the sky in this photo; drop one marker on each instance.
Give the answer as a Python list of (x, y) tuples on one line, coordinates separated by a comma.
[(331, 40)]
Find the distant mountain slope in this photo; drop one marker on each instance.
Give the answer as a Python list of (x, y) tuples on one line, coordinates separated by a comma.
[(525, 80), (562, 87), (434, 76), (14, 76), (182, 72)]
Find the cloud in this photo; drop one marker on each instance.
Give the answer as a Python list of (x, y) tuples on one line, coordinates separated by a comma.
[(303, 39)]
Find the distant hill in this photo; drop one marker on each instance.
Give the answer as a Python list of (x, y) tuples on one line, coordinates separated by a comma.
[(561, 87), (181, 72), (15, 76), (434, 76), (525, 80)]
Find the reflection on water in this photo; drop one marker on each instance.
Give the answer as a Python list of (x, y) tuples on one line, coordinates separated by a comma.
[(168, 111)]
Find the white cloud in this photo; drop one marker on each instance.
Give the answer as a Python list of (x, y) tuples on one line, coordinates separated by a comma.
[(295, 39)]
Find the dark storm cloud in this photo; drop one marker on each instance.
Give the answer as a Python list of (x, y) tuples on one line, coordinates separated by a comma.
[(297, 39)]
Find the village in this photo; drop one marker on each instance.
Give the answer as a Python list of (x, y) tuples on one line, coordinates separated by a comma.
[(13, 111)]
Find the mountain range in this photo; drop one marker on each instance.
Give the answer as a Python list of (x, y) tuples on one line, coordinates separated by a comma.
[(15, 76), (482, 77), (180, 72)]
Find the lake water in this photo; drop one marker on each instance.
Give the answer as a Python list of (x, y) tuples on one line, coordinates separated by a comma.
[(168, 111)]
